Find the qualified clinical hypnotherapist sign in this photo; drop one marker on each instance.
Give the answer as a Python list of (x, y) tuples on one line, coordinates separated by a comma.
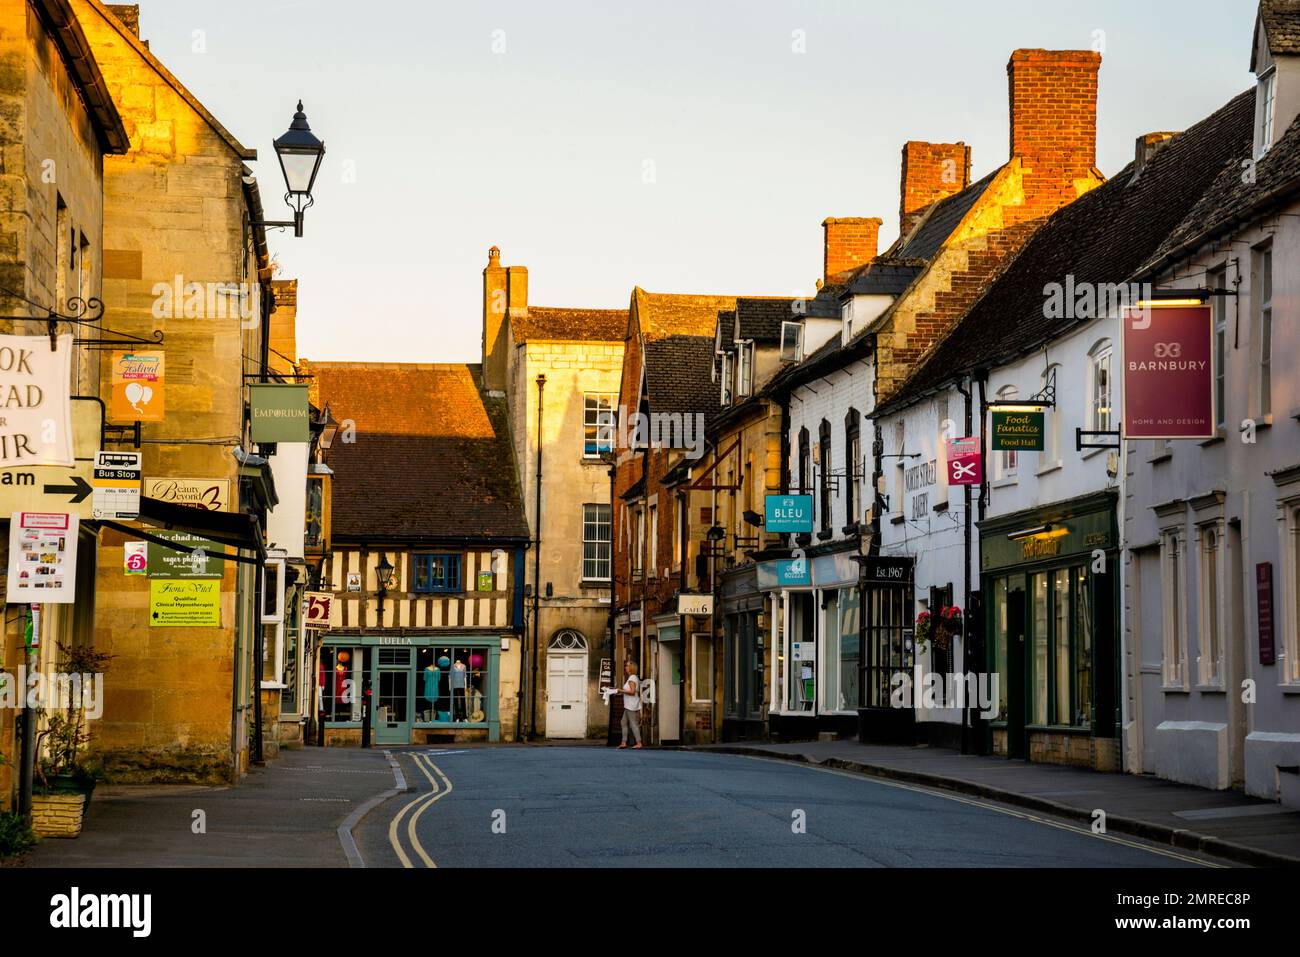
[(35, 405)]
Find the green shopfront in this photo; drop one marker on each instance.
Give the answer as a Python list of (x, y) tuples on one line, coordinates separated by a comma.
[(425, 687), (1050, 577)]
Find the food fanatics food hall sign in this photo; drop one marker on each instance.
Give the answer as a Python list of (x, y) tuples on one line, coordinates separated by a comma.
[(35, 404), (1169, 373)]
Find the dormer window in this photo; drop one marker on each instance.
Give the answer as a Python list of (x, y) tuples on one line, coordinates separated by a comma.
[(846, 315), (1265, 108), (728, 370), (792, 342), (745, 370)]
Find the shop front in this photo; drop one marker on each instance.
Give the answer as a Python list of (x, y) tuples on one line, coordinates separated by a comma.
[(744, 692), (425, 688), (1051, 577)]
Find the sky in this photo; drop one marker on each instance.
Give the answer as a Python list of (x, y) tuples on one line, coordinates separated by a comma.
[(690, 147)]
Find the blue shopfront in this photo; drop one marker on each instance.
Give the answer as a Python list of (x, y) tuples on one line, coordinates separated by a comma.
[(423, 687)]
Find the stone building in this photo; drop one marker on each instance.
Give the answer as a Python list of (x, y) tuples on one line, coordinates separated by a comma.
[(60, 125), (559, 371)]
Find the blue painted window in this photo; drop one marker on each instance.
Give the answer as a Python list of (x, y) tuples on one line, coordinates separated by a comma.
[(436, 573)]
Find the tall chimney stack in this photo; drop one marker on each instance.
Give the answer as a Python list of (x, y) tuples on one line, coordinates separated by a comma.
[(931, 172), (849, 242), (495, 304)]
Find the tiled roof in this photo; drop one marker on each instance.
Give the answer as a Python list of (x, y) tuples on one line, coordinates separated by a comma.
[(885, 277), (679, 377), (670, 314), (431, 457), (1104, 237), (570, 325), (760, 319), (1281, 22)]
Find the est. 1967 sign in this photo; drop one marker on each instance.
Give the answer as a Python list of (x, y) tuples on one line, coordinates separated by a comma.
[(789, 514)]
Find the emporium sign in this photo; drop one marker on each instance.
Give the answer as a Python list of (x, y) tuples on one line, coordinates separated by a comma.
[(1169, 373), (279, 413)]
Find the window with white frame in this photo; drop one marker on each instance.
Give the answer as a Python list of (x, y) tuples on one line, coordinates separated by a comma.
[(1173, 581), (638, 553), (595, 542), (1261, 286), (701, 667), (792, 342), (1007, 464), (1100, 387), (728, 367), (1210, 660), (1266, 102), (1051, 426), (745, 372), (597, 424), (1217, 279), (273, 623)]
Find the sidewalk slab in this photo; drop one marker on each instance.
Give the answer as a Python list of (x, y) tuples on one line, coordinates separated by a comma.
[(286, 814), (1225, 824)]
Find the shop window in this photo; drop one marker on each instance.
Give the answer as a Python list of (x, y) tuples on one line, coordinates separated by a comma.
[(1038, 592), (452, 685), (999, 642), (597, 424), (847, 695), (436, 573), (1173, 588), (1061, 646), (339, 683), (1084, 623), (801, 672), (830, 649), (290, 676), (1210, 660), (701, 667), (595, 542)]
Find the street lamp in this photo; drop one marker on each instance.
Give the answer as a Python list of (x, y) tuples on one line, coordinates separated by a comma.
[(300, 154)]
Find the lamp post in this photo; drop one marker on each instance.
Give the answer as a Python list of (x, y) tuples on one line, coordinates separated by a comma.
[(384, 576), (384, 573), (300, 154)]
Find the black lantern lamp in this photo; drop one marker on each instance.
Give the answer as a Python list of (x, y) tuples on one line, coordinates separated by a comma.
[(300, 154), (385, 571)]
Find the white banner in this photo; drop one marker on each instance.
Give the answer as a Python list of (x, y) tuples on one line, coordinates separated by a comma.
[(35, 405)]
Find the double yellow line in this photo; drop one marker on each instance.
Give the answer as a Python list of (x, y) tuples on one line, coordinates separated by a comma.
[(439, 789)]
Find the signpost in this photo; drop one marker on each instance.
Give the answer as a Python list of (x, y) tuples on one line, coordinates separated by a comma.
[(786, 514), (1169, 373), (116, 481), (1018, 430), (54, 488)]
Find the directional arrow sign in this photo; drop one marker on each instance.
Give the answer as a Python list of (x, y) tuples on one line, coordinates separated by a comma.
[(55, 488)]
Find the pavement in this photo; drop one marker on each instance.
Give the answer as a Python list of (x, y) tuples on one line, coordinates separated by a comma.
[(1224, 824)]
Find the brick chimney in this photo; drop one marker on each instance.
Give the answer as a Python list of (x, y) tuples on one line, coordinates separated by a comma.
[(931, 172), (128, 13), (1054, 122), (495, 304), (849, 243)]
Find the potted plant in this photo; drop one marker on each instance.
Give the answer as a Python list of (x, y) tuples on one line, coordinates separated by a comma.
[(64, 781), (947, 625)]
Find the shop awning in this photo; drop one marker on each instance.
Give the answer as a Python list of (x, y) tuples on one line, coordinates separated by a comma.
[(235, 529)]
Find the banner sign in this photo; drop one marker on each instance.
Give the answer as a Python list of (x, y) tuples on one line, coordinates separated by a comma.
[(279, 413), (137, 387), (788, 514), (165, 562), (116, 481), (211, 494), (1015, 431), (1264, 609), (1169, 373), (35, 406), (42, 558), (184, 604), (320, 606), (965, 466)]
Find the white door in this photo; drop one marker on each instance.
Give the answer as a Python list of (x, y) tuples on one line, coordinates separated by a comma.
[(668, 698), (566, 686)]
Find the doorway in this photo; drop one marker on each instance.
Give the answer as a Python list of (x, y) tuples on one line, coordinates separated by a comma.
[(566, 686), (393, 700), (669, 698)]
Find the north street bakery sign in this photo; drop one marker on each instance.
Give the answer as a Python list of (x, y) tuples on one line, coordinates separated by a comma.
[(35, 407)]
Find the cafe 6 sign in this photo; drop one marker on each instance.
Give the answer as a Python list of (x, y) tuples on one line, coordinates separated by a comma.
[(1169, 373), (789, 514)]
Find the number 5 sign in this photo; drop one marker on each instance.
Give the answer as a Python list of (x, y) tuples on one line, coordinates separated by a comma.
[(319, 606)]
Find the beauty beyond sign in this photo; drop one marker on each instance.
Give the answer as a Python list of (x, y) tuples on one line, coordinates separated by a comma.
[(1169, 373)]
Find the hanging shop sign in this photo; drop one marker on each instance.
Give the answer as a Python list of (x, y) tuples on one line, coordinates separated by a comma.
[(35, 406), (320, 606), (116, 481), (210, 494), (1264, 608), (695, 604), (184, 604), (194, 558), (138, 387), (42, 558), (53, 488), (965, 465), (135, 558), (788, 514), (1018, 430), (1168, 377), (279, 413)]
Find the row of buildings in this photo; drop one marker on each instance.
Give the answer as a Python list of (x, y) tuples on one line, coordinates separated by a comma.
[(912, 507), (134, 262)]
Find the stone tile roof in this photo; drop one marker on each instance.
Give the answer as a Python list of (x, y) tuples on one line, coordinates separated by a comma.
[(940, 221), (1281, 22), (432, 457), (679, 377), (885, 277), (1104, 237), (760, 319), (570, 325), (671, 314)]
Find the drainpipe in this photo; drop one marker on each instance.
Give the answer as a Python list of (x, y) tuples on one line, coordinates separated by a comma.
[(258, 651), (537, 561), (966, 553), (683, 504), (27, 768), (609, 624)]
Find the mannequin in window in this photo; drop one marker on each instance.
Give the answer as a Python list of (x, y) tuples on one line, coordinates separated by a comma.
[(459, 674)]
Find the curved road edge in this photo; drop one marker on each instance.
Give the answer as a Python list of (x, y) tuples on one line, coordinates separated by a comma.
[(357, 816)]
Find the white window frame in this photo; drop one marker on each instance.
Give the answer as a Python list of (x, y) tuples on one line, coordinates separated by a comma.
[(1051, 457), (699, 638), (654, 540), (1218, 279), (745, 370), (591, 519), (1007, 463), (1261, 304), (638, 554), (1266, 97), (1101, 356), (1173, 585), (1286, 590), (276, 618), (728, 376), (791, 351), (601, 403), (1212, 603)]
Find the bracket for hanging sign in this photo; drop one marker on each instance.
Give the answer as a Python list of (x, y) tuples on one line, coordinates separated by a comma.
[(82, 312), (1080, 445)]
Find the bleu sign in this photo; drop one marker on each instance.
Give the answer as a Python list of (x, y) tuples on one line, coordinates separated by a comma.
[(789, 513)]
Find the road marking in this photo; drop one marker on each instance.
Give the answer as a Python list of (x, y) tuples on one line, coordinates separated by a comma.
[(1022, 815), (424, 801), (350, 849)]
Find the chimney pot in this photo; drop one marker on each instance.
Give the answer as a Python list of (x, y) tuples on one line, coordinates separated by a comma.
[(128, 14)]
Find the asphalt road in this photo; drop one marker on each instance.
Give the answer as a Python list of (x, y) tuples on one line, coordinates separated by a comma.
[(597, 807)]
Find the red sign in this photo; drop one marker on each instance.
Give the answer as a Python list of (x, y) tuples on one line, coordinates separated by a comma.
[(1264, 603), (1169, 373), (320, 604), (965, 466)]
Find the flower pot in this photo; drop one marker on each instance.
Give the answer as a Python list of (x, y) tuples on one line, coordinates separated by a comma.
[(58, 814)]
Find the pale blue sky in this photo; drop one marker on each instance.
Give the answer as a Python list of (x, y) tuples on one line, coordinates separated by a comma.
[(541, 149)]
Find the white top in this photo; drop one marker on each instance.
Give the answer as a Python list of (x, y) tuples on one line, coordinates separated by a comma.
[(631, 694)]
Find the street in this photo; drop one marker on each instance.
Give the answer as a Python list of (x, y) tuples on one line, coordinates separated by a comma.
[(597, 807)]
